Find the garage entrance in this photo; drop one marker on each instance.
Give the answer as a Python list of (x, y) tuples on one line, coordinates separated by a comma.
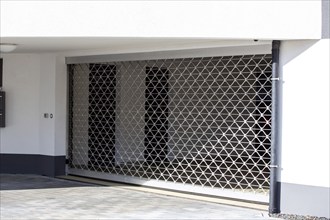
[(198, 124)]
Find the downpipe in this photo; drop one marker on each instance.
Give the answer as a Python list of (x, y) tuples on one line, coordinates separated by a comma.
[(275, 187)]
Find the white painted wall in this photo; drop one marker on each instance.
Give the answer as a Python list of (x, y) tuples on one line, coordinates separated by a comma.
[(53, 96), (60, 108), (21, 82), (206, 19), (305, 147), (29, 82), (305, 127), (46, 104)]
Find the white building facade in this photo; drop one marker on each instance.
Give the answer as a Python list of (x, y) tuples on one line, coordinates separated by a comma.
[(60, 42)]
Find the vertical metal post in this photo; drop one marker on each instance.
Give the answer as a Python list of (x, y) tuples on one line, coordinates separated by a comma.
[(69, 156), (274, 197)]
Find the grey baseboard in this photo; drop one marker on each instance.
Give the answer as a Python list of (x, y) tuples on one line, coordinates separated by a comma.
[(32, 164), (305, 200)]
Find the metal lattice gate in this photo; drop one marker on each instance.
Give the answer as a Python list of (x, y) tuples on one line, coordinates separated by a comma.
[(195, 124)]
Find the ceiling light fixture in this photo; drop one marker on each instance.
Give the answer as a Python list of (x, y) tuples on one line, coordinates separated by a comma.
[(6, 48)]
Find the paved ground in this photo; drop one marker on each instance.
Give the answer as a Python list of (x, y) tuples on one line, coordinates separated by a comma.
[(37, 197)]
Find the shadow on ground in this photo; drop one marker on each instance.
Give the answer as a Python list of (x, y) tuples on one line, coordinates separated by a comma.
[(22, 182)]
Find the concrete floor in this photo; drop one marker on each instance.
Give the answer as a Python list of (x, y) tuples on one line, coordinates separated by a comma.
[(38, 197)]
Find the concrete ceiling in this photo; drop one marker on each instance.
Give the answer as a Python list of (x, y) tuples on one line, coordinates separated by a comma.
[(69, 44)]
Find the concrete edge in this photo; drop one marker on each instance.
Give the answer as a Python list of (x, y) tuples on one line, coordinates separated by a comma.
[(223, 201), (314, 201), (32, 164)]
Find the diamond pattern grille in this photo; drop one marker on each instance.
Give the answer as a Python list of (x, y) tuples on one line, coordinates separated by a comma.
[(201, 121)]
